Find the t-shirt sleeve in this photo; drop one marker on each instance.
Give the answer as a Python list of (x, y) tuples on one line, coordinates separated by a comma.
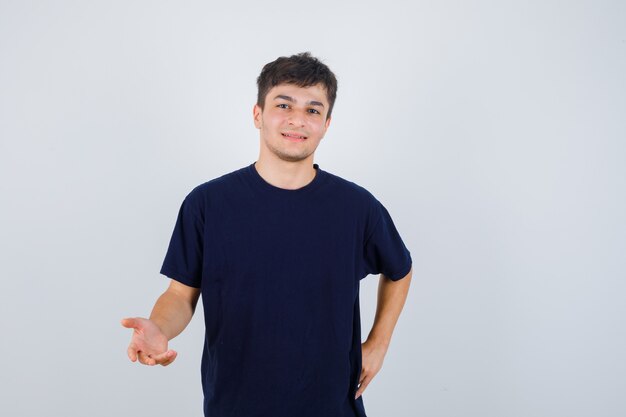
[(183, 260), (384, 251)]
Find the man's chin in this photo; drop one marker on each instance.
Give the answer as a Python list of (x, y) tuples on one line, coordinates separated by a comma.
[(292, 157)]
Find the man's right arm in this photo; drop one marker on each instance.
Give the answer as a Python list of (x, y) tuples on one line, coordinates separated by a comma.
[(174, 309), (171, 314)]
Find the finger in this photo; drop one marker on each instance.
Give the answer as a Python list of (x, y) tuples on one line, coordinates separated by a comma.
[(144, 358), (170, 359), (132, 353), (362, 385), (163, 357)]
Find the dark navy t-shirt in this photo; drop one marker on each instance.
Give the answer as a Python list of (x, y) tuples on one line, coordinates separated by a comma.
[(279, 272)]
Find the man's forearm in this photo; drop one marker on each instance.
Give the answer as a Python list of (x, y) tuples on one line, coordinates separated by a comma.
[(172, 313), (391, 298)]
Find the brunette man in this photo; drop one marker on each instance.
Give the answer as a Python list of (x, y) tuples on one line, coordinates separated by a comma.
[(277, 250)]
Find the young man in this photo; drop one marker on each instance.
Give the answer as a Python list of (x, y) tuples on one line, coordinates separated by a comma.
[(277, 250)]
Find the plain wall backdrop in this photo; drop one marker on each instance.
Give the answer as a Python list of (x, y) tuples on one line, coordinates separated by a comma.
[(493, 131)]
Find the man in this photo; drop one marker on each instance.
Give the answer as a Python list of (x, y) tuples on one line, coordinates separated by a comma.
[(277, 250)]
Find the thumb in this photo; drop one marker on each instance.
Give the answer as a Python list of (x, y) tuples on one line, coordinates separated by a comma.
[(130, 323)]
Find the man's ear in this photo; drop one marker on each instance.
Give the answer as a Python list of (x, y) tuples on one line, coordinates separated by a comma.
[(328, 122), (257, 114)]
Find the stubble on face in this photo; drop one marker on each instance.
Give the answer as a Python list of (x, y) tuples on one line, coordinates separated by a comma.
[(294, 156), (273, 121)]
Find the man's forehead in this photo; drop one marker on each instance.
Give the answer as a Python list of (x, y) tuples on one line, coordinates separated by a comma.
[(315, 92)]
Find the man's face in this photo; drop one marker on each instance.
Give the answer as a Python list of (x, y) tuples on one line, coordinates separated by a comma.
[(293, 122)]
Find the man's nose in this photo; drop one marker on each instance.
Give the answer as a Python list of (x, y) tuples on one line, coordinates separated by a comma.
[(296, 118)]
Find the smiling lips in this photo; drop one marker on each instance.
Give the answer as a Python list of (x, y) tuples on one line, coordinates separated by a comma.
[(294, 136)]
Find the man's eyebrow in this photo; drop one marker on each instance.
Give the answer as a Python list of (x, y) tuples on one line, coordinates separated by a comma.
[(291, 99)]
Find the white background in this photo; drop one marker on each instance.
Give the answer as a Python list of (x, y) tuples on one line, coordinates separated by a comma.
[(493, 132)]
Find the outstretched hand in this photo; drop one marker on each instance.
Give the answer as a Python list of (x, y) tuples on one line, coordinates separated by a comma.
[(148, 344), (372, 355)]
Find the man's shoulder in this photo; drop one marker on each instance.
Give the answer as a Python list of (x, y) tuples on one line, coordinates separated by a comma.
[(201, 194), (223, 181), (350, 189)]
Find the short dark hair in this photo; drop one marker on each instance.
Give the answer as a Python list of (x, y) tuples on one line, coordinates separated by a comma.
[(302, 70)]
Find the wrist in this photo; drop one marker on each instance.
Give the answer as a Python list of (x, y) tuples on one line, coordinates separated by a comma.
[(378, 341), (160, 324)]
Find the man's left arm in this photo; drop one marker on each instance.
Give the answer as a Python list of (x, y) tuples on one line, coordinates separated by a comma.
[(391, 298)]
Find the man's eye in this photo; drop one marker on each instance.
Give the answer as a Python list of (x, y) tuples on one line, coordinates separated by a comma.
[(314, 111), (283, 106)]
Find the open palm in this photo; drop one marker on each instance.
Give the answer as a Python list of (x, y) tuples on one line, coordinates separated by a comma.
[(148, 344)]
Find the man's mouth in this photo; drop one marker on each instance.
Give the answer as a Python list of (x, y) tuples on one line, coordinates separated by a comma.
[(293, 136)]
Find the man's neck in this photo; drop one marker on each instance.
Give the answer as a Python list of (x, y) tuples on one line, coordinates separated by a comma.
[(285, 174)]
